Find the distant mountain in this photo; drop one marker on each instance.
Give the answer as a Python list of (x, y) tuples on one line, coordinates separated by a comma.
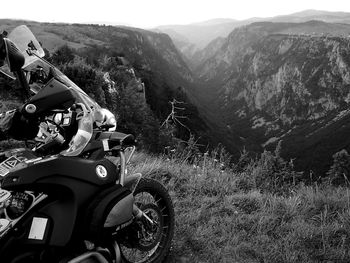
[(217, 21), (192, 38), (283, 82), (307, 15), (200, 34)]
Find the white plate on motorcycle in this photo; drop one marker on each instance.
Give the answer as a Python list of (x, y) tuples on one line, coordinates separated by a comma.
[(27, 43), (37, 230)]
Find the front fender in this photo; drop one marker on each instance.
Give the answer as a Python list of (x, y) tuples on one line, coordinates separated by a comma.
[(131, 181)]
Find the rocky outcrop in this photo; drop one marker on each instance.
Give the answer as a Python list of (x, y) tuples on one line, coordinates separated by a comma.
[(292, 78)]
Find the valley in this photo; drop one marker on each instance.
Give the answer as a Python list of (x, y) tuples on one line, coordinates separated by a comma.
[(279, 82), (284, 81)]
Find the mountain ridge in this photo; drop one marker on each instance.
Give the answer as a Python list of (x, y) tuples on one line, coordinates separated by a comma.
[(197, 39)]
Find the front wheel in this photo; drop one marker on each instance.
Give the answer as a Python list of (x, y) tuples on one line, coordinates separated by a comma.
[(149, 239)]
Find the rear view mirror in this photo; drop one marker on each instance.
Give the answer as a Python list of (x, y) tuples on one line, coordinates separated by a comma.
[(14, 56)]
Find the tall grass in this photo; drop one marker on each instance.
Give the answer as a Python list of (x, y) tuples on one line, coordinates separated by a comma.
[(255, 211)]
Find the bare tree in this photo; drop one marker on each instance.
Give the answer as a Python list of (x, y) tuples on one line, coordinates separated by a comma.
[(175, 114)]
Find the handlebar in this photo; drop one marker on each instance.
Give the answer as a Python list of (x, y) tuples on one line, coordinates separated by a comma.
[(84, 133), (52, 134)]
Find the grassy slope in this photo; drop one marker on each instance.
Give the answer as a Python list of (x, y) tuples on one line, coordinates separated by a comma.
[(222, 218)]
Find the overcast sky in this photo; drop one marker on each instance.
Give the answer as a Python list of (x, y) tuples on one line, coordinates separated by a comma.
[(151, 13)]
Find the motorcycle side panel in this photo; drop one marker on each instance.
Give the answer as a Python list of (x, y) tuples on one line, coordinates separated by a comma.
[(71, 184), (64, 210)]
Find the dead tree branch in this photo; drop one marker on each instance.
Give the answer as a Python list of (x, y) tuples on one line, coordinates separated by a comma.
[(174, 114)]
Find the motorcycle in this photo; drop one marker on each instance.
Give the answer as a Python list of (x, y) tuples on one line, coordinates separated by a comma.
[(69, 198)]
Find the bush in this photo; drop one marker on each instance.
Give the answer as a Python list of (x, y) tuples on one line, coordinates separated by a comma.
[(270, 173), (63, 55), (339, 172)]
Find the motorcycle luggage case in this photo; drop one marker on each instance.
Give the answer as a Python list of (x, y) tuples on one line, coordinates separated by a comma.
[(111, 208)]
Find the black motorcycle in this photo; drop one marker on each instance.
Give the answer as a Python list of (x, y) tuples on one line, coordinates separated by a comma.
[(68, 198)]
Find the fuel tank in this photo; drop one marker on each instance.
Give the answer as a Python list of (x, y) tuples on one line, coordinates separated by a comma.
[(95, 172)]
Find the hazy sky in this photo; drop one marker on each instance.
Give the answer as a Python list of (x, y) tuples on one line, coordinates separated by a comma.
[(150, 13)]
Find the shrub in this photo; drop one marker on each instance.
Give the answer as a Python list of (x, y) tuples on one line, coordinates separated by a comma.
[(340, 170), (271, 173)]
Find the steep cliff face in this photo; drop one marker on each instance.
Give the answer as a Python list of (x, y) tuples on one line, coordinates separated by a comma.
[(165, 50), (293, 88), (200, 56), (292, 78)]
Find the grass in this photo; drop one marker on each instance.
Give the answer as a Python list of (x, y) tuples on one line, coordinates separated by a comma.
[(226, 216)]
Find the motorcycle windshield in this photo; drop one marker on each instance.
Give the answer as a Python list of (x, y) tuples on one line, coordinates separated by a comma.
[(33, 53), (27, 44)]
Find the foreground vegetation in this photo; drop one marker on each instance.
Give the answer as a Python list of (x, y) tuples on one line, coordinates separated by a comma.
[(253, 211)]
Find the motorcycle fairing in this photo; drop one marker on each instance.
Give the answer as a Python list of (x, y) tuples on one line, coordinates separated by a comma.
[(54, 95), (110, 208)]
